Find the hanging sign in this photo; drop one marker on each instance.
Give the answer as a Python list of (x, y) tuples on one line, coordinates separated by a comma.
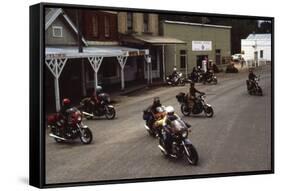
[(201, 45)]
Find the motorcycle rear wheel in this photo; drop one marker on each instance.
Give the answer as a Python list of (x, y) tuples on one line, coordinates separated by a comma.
[(191, 154), (86, 137), (111, 113), (185, 110)]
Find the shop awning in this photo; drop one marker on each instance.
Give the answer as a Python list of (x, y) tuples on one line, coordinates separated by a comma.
[(153, 40), (97, 51)]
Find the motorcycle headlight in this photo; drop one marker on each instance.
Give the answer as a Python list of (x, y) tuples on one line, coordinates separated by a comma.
[(180, 74), (184, 134), (79, 118)]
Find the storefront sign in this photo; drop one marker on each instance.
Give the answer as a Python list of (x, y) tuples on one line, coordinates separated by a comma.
[(201, 45), (55, 56)]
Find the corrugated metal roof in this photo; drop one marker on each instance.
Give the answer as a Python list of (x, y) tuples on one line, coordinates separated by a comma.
[(259, 37), (197, 24)]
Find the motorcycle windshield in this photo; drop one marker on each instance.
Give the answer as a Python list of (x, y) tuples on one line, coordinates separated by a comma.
[(104, 96), (177, 125), (72, 110)]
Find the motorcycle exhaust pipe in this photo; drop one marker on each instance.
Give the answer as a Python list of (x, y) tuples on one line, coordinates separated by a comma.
[(147, 128), (55, 136), (162, 149), (85, 113)]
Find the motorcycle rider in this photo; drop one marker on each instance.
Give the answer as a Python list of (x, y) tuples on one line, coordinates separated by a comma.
[(66, 104), (192, 94), (207, 74), (251, 78), (165, 123), (194, 74), (153, 110), (95, 96), (174, 74)]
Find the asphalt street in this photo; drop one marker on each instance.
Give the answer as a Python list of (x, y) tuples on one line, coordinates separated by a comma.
[(237, 138)]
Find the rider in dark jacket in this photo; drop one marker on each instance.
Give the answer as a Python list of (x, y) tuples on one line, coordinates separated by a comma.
[(251, 78), (251, 75), (152, 110), (192, 94)]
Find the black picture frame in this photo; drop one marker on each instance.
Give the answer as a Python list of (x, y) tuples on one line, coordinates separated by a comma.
[(37, 170)]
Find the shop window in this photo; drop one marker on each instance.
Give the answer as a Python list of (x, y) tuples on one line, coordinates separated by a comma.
[(106, 26), (261, 53), (183, 60), (145, 22), (130, 22), (95, 26)]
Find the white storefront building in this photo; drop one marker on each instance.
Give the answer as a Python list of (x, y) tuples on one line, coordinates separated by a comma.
[(256, 49)]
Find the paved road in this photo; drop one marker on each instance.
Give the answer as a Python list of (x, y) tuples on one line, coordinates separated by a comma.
[(237, 138)]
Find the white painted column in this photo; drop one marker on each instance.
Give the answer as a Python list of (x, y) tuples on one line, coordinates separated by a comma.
[(83, 81), (175, 56), (149, 68), (122, 61), (163, 62), (56, 66), (96, 63)]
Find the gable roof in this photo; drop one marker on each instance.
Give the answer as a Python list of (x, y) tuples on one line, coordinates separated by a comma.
[(53, 14)]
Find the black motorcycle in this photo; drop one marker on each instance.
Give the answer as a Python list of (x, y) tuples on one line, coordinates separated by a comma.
[(181, 146), (103, 108), (177, 80), (199, 106), (196, 76), (210, 78), (253, 87), (70, 128)]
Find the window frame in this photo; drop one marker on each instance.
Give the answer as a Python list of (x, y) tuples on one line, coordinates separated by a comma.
[(60, 29), (183, 56)]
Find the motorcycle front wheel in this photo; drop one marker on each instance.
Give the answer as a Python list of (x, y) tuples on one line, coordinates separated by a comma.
[(191, 154), (110, 114), (86, 136), (215, 81), (185, 110), (260, 92), (209, 112)]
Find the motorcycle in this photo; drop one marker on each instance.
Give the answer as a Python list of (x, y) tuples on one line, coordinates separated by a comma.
[(177, 80), (181, 146), (253, 87), (103, 108), (71, 128), (210, 78), (199, 106), (150, 119), (196, 77)]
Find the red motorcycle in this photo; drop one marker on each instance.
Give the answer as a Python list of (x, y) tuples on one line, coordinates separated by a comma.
[(70, 127)]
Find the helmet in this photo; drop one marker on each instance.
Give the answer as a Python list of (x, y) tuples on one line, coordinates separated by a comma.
[(159, 109), (170, 110), (66, 102), (156, 101), (175, 69), (98, 89)]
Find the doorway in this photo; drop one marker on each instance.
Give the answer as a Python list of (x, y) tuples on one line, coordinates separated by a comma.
[(200, 58)]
